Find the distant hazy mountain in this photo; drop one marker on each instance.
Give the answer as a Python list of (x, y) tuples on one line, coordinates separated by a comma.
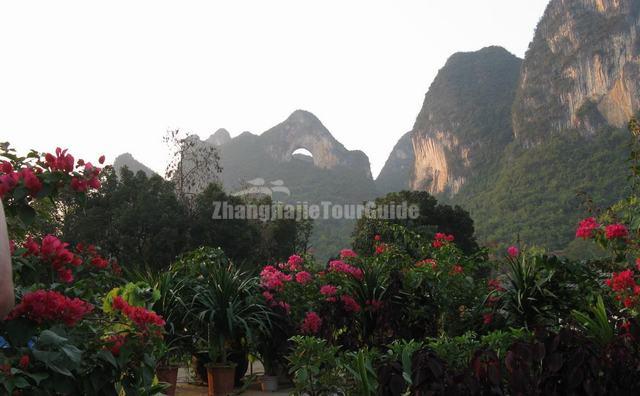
[(134, 165), (332, 173)]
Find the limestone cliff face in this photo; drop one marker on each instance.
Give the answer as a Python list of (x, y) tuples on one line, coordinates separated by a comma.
[(582, 70), (466, 116)]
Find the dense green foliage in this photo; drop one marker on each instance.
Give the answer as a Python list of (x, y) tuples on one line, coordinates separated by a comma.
[(433, 217), (533, 194), (140, 220)]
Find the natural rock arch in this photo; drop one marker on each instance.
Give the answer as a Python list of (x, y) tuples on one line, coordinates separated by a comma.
[(303, 130)]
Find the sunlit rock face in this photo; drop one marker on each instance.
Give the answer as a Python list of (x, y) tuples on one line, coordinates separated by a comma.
[(466, 116), (582, 70)]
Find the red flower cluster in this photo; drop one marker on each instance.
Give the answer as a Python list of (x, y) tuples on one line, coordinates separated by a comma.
[(428, 263), (64, 162), (31, 181), (381, 248), (95, 259), (342, 267), (138, 315), (441, 239), (457, 269), (55, 252), (614, 231), (621, 281), (10, 179), (61, 162), (49, 306), (625, 287), (586, 228), (513, 251), (350, 305), (116, 342), (24, 362), (311, 323)]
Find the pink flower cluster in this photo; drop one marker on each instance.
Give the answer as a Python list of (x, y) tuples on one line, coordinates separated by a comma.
[(342, 267), (295, 263), (311, 323), (328, 290), (273, 279), (303, 277)]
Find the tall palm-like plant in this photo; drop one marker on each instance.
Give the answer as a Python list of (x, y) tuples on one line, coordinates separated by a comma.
[(226, 306), (528, 298)]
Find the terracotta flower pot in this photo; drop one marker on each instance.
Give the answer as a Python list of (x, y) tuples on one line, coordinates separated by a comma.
[(220, 379), (269, 383), (170, 376)]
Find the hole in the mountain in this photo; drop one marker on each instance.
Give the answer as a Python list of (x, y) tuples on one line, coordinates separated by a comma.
[(302, 154)]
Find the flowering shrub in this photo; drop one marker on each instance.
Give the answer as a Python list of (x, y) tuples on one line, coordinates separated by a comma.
[(57, 339), (45, 306), (23, 180)]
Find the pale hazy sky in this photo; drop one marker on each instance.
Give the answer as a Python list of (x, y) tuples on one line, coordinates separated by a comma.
[(112, 77)]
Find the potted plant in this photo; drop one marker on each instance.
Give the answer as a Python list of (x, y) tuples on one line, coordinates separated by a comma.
[(226, 307), (272, 346), (169, 302), (269, 381)]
